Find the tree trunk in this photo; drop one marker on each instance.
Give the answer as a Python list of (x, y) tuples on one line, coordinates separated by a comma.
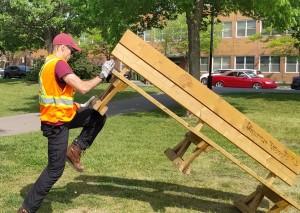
[(193, 19), (48, 39)]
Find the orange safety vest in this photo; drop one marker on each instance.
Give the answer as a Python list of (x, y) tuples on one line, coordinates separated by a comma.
[(56, 104)]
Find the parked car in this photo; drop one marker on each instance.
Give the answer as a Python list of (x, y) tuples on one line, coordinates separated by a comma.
[(296, 83), (16, 71), (242, 79), (1, 72), (204, 76)]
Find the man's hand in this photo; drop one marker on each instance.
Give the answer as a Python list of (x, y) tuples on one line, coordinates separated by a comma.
[(107, 68)]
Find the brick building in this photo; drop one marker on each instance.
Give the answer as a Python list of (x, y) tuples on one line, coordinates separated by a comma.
[(236, 50)]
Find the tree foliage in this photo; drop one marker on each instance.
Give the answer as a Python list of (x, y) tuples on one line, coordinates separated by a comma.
[(28, 24), (114, 17), (175, 38)]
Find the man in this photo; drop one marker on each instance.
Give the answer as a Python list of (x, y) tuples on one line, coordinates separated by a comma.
[(59, 113)]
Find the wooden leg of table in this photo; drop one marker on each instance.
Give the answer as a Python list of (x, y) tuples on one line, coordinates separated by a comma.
[(178, 150), (185, 165), (251, 202), (279, 202)]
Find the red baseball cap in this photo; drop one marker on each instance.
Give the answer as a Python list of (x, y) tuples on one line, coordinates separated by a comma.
[(65, 39)]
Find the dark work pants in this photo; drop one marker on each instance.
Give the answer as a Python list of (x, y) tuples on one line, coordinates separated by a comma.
[(92, 122)]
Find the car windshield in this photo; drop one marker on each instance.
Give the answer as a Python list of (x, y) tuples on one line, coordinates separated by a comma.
[(24, 68), (251, 74)]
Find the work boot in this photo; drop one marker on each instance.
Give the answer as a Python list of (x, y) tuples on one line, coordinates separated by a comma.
[(22, 210), (73, 156)]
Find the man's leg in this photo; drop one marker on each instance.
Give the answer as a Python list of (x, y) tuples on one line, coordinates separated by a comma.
[(92, 123), (57, 148)]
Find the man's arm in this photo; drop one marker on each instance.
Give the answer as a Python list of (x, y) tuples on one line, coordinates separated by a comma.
[(85, 86), (81, 85)]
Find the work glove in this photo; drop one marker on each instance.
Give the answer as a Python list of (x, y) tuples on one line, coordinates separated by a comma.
[(88, 102), (107, 68)]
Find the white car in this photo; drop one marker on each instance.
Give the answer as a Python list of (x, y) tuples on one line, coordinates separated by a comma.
[(1, 72), (204, 76)]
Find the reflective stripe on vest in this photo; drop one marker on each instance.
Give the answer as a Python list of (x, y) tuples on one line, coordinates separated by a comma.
[(51, 100)]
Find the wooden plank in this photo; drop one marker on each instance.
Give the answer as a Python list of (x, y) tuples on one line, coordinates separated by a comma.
[(208, 140), (211, 100), (204, 114)]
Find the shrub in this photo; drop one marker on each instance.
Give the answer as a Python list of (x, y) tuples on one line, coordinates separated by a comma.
[(33, 75), (79, 63), (82, 67)]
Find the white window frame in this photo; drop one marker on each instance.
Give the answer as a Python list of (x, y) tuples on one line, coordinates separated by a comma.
[(297, 65), (223, 29), (270, 63), (246, 28), (244, 67), (145, 36), (204, 64), (222, 57)]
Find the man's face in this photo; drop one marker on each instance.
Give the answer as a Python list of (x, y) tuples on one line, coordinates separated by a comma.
[(67, 51)]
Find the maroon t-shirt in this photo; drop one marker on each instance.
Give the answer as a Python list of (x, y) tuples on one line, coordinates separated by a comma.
[(62, 69)]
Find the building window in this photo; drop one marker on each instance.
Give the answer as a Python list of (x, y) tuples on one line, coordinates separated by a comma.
[(244, 62), (269, 31), (246, 28), (147, 35), (292, 64), (221, 62), (203, 64), (159, 35), (227, 30), (270, 63)]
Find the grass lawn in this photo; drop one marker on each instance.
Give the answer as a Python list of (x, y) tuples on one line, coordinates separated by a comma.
[(126, 170), (19, 96)]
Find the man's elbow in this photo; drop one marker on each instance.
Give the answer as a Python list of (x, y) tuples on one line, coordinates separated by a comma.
[(82, 91)]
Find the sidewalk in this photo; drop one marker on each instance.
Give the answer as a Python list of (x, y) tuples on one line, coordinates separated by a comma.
[(19, 124)]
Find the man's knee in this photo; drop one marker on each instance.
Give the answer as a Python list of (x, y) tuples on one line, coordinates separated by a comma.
[(56, 172), (99, 119)]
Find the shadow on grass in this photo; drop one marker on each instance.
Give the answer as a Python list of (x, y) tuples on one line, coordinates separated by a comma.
[(159, 195)]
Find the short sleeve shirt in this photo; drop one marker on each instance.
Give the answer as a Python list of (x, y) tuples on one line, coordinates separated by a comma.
[(62, 69)]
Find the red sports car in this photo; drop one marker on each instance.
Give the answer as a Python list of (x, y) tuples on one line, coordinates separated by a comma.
[(242, 79)]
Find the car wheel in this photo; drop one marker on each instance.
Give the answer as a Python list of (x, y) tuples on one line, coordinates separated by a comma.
[(219, 84), (5, 76), (256, 86), (204, 81)]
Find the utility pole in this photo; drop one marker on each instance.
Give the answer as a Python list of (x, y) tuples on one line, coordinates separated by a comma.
[(209, 78)]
